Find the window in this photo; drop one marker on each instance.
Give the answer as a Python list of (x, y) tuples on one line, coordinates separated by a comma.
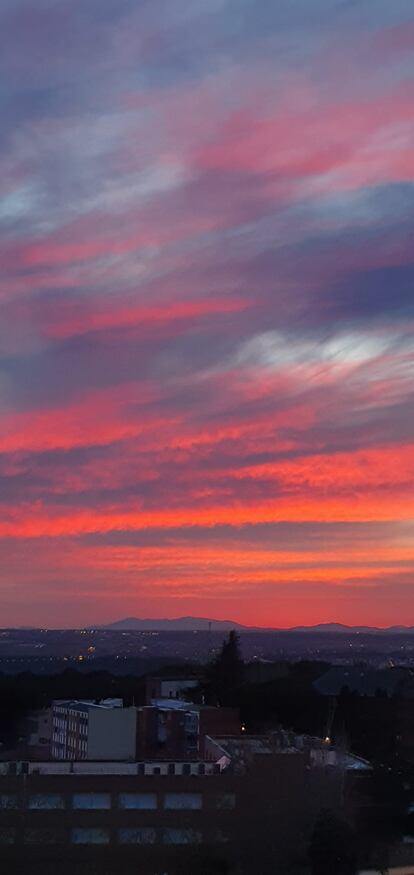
[(43, 836), (226, 800), (91, 800), (7, 835), (183, 800), (137, 800), (94, 835), (46, 801), (7, 801), (186, 769), (181, 836), (141, 835)]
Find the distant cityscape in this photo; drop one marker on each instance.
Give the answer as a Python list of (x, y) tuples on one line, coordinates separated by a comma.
[(123, 647)]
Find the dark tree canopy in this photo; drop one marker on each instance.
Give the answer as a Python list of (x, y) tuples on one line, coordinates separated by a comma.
[(226, 672), (332, 848)]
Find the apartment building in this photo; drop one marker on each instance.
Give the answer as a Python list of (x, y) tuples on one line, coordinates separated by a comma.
[(90, 730)]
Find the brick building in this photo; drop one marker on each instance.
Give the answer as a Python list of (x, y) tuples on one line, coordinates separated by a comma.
[(171, 728), (254, 811)]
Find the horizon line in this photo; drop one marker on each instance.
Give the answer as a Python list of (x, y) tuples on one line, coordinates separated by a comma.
[(237, 625)]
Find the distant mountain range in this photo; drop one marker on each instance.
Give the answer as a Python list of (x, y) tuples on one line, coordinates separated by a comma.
[(204, 624), (180, 624), (340, 628)]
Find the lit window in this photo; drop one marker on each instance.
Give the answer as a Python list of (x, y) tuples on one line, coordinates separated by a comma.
[(91, 800), (141, 835), (90, 836), (183, 800), (137, 800), (182, 836), (46, 801)]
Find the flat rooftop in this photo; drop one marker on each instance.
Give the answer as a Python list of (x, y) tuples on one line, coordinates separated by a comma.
[(85, 705), (103, 767), (321, 753)]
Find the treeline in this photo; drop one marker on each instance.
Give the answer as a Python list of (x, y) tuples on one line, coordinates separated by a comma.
[(22, 693), (366, 725)]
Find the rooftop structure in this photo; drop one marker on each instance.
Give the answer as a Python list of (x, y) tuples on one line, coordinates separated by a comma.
[(238, 752)]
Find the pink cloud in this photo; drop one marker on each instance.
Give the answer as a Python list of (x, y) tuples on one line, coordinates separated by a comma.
[(151, 317), (326, 137)]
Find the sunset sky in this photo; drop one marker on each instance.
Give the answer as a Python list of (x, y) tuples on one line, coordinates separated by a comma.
[(207, 311)]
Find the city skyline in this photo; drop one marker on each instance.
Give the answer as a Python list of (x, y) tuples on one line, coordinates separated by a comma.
[(207, 312)]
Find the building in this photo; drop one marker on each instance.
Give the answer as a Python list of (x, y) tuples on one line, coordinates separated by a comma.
[(240, 753), (167, 729), (171, 728), (162, 817), (89, 730), (252, 802)]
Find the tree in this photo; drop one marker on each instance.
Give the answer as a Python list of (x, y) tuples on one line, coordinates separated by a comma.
[(226, 672), (332, 848)]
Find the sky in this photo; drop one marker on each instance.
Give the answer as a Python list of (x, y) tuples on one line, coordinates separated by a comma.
[(206, 311)]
